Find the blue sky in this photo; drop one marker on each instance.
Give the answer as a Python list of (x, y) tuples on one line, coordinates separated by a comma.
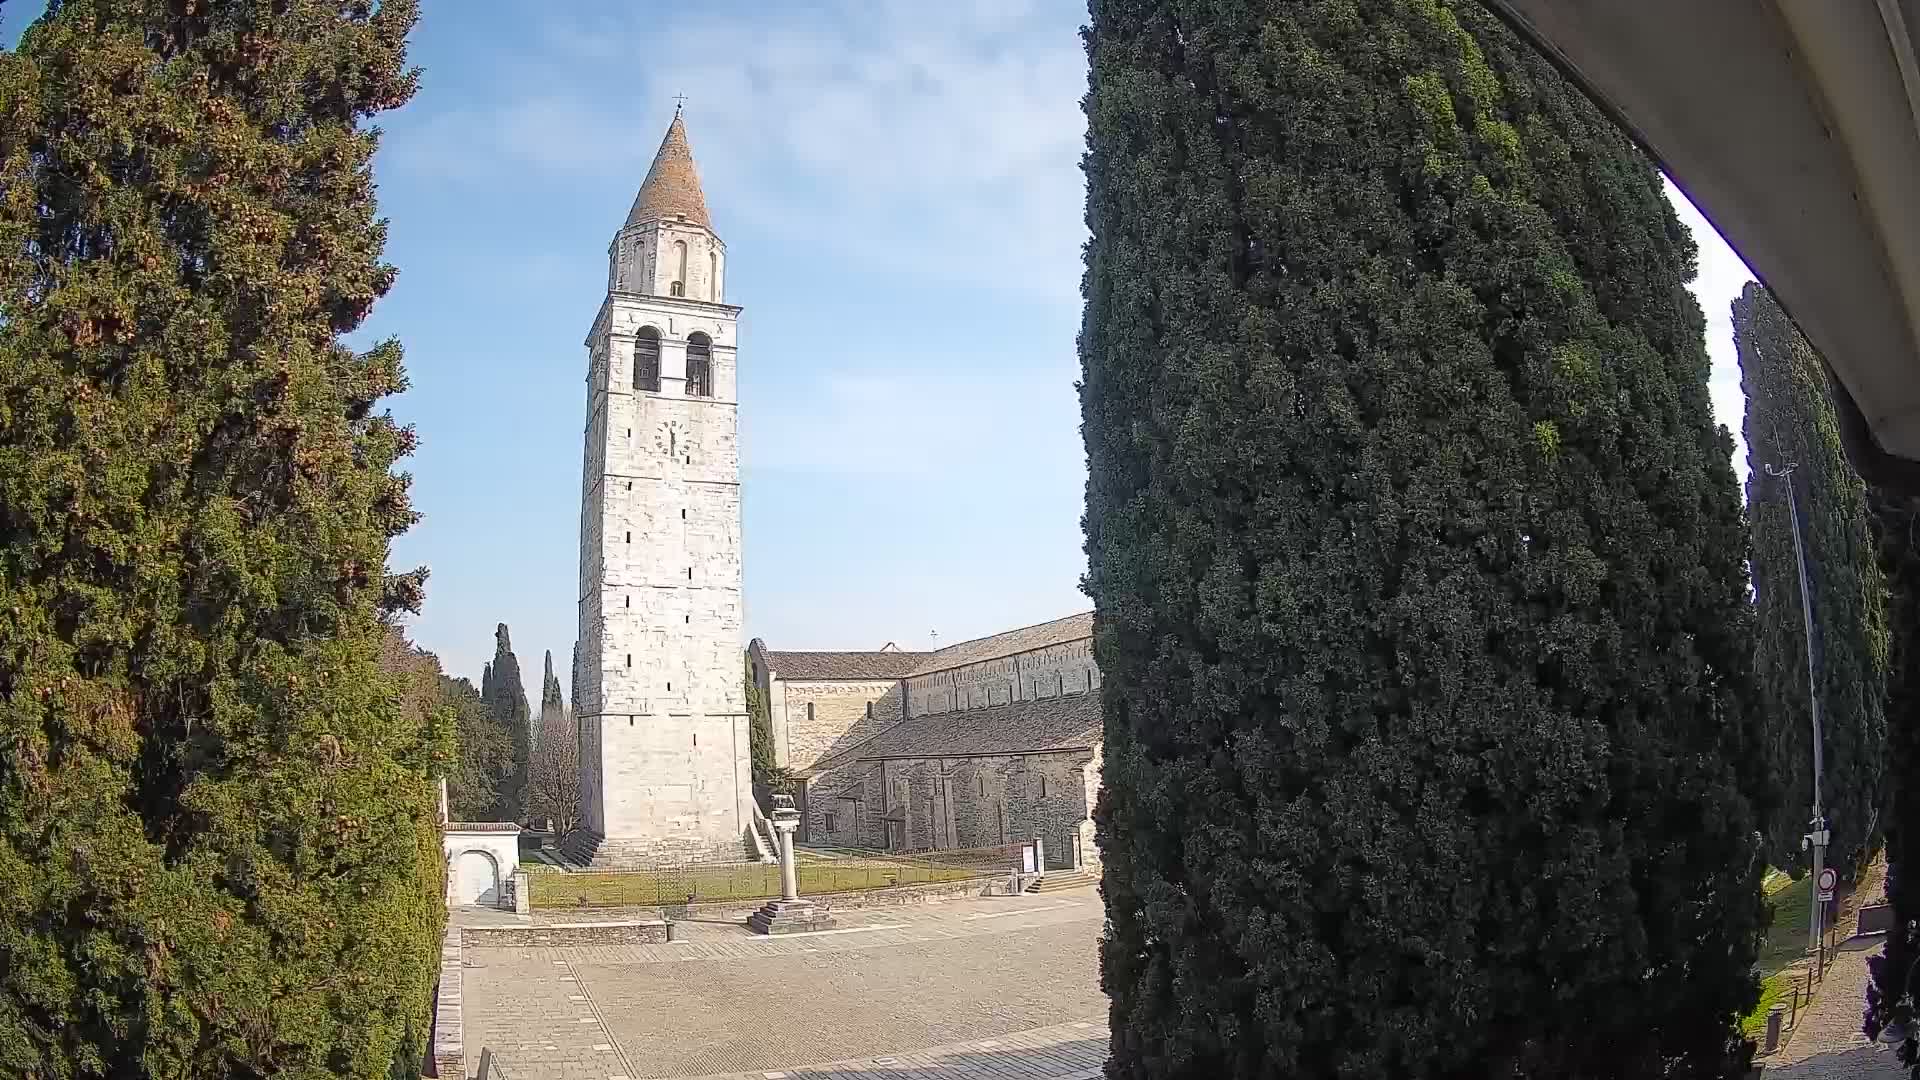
[(898, 186)]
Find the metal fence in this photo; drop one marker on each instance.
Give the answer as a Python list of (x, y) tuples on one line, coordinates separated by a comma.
[(674, 887)]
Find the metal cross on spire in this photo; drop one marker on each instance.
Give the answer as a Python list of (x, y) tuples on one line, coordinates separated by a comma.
[(679, 102)]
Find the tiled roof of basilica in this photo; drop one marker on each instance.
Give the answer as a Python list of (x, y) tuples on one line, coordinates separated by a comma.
[(1025, 639), (672, 188), (849, 666), (1069, 722)]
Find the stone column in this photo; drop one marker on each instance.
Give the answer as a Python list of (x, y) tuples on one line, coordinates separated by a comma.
[(789, 914), (784, 828)]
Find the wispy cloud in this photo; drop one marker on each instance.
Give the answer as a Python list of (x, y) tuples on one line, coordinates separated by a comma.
[(945, 141)]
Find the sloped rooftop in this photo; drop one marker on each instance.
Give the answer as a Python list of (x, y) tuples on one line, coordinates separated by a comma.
[(1025, 639), (1070, 722), (847, 666), (672, 187)]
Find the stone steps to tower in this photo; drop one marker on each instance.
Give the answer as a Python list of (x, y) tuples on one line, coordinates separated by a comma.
[(1061, 881)]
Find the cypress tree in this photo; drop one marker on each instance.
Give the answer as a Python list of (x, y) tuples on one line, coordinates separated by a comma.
[(218, 852), (1417, 562), (1790, 419), (485, 751), (553, 708), (507, 702), (759, 738), (1896, 526)]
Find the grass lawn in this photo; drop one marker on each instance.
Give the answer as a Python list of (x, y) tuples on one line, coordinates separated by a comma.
[(1787, 936), (750, 881), (1786, 942)]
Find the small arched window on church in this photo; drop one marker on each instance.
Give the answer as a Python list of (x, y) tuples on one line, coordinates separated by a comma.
[(679, 287), (713, 276), (646, 360), (699, 366)]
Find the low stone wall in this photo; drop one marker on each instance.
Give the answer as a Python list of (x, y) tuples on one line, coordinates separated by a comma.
[(853, 900), (623, 932), (449, 1041)]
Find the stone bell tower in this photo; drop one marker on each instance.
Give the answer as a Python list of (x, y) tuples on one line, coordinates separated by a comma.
[(662, 709)]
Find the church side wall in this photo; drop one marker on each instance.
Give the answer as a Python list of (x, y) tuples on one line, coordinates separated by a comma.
[(1042, 673), (819, 719), (978, 802)]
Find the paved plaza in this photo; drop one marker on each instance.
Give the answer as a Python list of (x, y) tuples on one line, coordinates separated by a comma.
[(1002, 987)]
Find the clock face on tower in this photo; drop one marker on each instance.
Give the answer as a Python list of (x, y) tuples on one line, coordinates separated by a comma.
[(670, 439)]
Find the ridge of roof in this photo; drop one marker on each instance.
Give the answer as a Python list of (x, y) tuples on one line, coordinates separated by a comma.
[(1008, 642)]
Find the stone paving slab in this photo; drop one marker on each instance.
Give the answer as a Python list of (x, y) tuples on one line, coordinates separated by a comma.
[(725, 1002), (1072, 1051)]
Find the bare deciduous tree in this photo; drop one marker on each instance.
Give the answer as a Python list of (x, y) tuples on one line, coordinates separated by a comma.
[(553, 784)]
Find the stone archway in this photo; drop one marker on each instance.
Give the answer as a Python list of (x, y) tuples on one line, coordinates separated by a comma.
[(476, 879)]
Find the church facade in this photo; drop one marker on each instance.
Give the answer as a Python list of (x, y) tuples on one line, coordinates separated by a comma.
[(660, 702), (985, 743)]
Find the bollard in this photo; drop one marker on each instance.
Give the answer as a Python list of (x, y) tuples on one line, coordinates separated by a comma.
[(1775, 1017)]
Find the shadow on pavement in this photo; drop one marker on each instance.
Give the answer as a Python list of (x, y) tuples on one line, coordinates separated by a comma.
[(1082, 1061), (1862, 1063)]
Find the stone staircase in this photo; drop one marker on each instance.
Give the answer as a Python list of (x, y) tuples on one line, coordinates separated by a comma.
[(1062, 880)]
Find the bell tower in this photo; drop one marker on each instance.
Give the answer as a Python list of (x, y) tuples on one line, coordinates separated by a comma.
[(662, 709)]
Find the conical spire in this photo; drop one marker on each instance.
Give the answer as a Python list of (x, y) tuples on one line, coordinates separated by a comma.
[(673, 184)]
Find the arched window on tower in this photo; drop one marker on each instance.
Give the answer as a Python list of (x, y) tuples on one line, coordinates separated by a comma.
[(679, 268), (699, 366), (646, 360), (713, 276)]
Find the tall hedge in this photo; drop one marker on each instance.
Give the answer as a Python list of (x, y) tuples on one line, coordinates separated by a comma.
[(1896, 526), (1417, 561), (1790, 420), (218, 855)]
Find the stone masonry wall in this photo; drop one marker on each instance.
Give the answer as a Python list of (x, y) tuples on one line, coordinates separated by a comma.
[(1042, 673), (820, 719), (660, 606), (981, 802)]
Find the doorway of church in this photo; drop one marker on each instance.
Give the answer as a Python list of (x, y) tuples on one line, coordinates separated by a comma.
[(1060, 849)]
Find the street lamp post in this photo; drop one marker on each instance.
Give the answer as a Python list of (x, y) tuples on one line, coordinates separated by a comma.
[(1817, 838)]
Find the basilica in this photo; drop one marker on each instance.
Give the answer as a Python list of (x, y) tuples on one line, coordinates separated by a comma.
[(985, 743)]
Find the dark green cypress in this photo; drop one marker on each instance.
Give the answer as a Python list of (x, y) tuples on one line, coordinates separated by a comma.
[(1896, 526), (1790, 419), (506, 699), (759, 737), (1417, 562), (218, 852), (553, 707)]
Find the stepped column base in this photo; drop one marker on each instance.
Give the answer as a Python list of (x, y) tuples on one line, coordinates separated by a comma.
[(790, 917)]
